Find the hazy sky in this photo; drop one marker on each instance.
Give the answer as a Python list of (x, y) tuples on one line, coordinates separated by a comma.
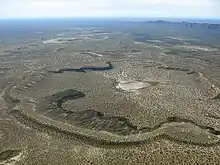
[(103, 8)]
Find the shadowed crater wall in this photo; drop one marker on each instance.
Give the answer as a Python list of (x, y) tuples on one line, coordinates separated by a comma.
[(92, 119)]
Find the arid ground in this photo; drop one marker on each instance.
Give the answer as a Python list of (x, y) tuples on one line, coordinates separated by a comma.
[(109, 92)]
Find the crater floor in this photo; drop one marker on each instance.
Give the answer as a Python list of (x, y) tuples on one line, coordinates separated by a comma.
[(92, 104)]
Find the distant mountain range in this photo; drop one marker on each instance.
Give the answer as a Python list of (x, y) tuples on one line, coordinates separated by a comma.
[(187, 24)]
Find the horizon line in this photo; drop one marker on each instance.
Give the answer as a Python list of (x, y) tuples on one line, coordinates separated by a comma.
[(106, 17)]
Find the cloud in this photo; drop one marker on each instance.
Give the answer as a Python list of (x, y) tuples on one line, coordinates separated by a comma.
[(98, 8)]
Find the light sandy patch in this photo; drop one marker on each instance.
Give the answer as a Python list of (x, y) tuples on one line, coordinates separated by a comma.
[(155, 41), (95, 54), (182, 39), (131, 86), (59, 40), (40, 32), (106, 37), (198, 48), (135, 42), (156, 46)]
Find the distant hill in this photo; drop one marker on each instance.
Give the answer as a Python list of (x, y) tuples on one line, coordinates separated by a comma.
[(187, 24)]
